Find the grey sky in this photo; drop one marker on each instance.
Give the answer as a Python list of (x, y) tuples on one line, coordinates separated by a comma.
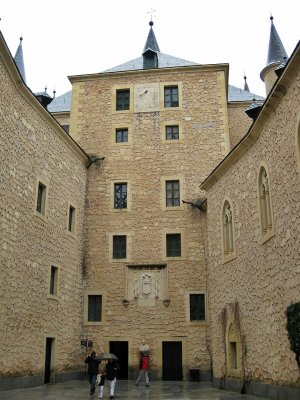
[(72, 37)]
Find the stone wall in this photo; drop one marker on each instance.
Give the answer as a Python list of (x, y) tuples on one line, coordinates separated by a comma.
[(33, 148), (263, 278), (239, 122)]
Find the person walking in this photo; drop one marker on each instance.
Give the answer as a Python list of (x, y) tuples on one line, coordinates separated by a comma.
[(100, 380), (144, 363), (112, 368), (93, 365)]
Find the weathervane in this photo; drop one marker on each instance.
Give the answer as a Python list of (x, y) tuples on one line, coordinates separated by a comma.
[(150, 12)]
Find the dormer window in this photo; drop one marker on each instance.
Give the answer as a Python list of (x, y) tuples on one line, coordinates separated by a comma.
[(150, 59)]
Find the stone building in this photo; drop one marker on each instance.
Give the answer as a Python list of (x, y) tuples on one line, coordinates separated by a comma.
[(253, 240), (43, 184), (125, 238)]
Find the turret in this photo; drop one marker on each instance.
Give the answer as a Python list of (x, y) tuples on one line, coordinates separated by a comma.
[(20, 61), (150, 59), (276, 55)]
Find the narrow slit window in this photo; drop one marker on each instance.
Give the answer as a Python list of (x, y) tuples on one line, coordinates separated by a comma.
[(71, 221), (41, 198)]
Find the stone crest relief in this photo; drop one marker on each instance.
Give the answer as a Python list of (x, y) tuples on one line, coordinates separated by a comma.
[(146, 284)]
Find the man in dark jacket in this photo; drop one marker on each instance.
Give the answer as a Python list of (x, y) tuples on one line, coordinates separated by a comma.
[(93, 365), (112, 368)]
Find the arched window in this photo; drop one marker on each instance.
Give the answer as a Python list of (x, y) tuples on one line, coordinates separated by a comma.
[(265, 203), (227, 222)]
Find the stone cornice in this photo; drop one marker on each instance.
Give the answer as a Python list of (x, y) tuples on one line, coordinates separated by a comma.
[(189, 68)]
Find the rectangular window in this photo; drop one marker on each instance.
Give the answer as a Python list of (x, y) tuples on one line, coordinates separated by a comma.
[(122, 99), (197, 307), (172, 132), (173, 242), (41, 198), (171, 98), (122, 135), (53, 280), (120, 195), (94, 308), (172, 194), (119, 246), (71, 221)]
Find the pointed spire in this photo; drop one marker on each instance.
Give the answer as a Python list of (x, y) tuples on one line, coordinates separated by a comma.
[(20, 61), (246, 87), (276, 50), (151, 42)]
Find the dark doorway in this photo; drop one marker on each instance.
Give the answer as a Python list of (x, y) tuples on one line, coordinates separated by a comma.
[(172, 361), (120, 349), (48, 358)]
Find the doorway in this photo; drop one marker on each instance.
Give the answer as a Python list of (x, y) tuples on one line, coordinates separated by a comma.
[(49, 351), (120, 349), (172, 361)]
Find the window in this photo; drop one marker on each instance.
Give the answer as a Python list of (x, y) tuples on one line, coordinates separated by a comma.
[(41, 198), (228, 245), (173, 244), (122, 135), (197, 307), (171, 98), (119, 246), (53, 280), (94, 308), (123, 99), (172, 193), (172, 132), (71, 219), (265, 204), (120, 195)]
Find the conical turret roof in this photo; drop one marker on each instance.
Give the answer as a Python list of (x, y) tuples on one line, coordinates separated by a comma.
[(19, 60), (246, 87), (151, 42), (276, 50)]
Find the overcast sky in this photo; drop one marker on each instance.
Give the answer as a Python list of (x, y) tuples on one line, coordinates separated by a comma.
[(72, 37)]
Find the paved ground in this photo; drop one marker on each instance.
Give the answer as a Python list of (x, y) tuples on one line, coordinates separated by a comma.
[(126, 390)]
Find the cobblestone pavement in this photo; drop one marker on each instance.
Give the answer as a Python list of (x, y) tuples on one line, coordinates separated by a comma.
[(126, 390)]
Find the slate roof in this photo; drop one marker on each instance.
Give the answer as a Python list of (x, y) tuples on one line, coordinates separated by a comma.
[(237, 94), (63, 102), (151, 42), (164, 61), (19, 60), (276, 51)]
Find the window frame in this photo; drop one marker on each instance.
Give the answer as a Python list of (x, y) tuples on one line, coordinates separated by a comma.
[(168, 123), (173, 231), (128, 246), (86, 307), (164, 180), (44, 206), (53, 279), (173, 97), (188, 307), (115, 90), (120, 184), (119, 245), (266, 218), (228, 231), (112, 196), (73, 221), (163, 86)]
